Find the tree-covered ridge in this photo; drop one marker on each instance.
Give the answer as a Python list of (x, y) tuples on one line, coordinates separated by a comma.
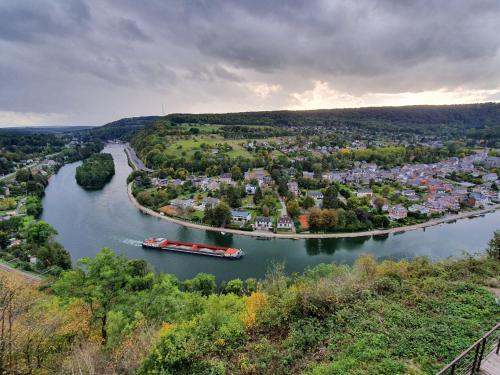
[(111, 315), (475, 120), (121, 129), (95, 171)]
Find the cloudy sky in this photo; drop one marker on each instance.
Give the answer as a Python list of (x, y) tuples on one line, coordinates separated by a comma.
[(88, 62)]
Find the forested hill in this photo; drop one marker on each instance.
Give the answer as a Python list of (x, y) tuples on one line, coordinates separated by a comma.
[(124, 128), (477, 120)]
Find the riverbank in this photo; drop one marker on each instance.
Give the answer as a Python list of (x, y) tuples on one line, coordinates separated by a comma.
[(262, 234)]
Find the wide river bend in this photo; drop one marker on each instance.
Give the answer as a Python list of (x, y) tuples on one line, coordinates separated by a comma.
[(89, 220)]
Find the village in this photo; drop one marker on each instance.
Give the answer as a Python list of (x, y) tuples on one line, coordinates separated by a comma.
[(396, 196)]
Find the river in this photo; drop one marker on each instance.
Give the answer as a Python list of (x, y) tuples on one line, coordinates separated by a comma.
[(89, 220)]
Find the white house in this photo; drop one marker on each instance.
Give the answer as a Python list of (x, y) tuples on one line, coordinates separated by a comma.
[(318, 195), (263, 222), (284, 223), (241, 216)]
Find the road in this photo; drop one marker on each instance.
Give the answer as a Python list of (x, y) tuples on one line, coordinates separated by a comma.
[(32, 165), (134, 159), (284, 212), (27, 276)]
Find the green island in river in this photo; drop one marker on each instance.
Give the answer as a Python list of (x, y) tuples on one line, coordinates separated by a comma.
[(95, 171)]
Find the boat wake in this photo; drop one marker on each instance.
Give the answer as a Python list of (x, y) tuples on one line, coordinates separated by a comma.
[(129, 241)]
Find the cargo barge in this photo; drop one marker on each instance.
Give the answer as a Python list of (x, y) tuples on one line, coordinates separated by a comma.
[(192, 248)]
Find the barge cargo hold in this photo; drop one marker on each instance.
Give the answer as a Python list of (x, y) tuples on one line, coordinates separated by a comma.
[(192, 248)]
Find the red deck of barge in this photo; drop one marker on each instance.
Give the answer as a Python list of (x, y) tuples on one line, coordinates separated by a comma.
[(192, 248)]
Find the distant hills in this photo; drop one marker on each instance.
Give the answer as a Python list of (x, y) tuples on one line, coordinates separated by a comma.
[(43, 129), (120, 129), (472, 120)]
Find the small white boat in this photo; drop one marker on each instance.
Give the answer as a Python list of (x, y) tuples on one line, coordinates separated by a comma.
[(223, 233)]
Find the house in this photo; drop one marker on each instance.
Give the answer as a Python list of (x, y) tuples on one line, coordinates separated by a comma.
[(477, 200), (241, 216), (212, 185), (182, 203), (250, 189), (210, 202), (408, 193), (308, 174), (263, 222), (285, 223), (398, 212), (329, 176), (258, 175), (364, 193), (490, 177), (318, 195), (419, 209), (491, 162), (226, 178), (294, 188)]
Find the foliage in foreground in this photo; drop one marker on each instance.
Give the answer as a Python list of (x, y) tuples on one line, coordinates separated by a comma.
[(111, 315)]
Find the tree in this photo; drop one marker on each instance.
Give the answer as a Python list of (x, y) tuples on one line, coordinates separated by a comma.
[(330, 199), (233, 196), (33, 206), (203, 283), (293, 208), (258, 195), (493, 249), (53, 254), (380, 221), (236, 173), (37, 232), (314, 219), (144, 198), (379, 202), (308, 202), (251, 285), (23, 175), (98, 282), (329, 219), (234, 286), (218, 216)]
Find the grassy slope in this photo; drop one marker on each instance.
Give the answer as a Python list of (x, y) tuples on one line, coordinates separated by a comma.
[(389, 318)]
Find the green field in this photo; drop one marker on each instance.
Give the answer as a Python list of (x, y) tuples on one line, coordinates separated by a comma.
[(190, 146)]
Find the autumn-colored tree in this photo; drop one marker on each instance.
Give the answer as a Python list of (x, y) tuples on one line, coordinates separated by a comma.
[(314, 219), (293, 208)]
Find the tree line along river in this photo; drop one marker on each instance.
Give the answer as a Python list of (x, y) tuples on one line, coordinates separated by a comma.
[(89, 220)]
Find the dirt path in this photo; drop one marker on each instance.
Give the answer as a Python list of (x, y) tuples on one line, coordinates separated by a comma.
[(429, 223)]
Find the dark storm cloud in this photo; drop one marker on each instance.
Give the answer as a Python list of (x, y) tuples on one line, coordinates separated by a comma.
[(28, 21), (94, 60)]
